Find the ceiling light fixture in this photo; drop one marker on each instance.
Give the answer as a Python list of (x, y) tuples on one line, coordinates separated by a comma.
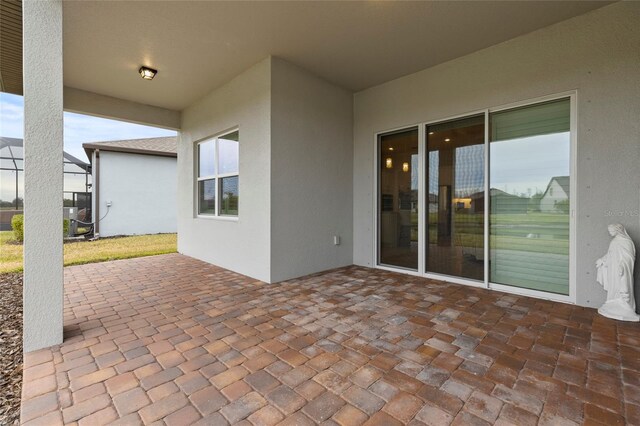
[(147, 73), (447, 140), (430, 133), (390, 148)]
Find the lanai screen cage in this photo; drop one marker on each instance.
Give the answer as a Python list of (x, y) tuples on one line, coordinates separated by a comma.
[(77, 182)]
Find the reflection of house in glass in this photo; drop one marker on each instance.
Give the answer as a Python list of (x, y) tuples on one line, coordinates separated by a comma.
[(77, 182), (556, 197), (501, 202)]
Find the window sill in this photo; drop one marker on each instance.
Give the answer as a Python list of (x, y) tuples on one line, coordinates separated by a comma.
[(221, 218)]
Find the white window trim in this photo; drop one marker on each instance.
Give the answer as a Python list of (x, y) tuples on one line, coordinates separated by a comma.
[(216, 177)]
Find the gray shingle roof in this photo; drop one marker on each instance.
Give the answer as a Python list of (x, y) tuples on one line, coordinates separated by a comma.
[(165, 146)]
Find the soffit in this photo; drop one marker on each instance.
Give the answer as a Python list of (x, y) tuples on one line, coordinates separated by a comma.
[(11, 46), (198, 46)]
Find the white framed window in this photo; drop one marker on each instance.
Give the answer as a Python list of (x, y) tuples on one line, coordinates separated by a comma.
[(217, 178)]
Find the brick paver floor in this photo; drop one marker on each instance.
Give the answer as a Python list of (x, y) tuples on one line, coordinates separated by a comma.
[(172, 340)]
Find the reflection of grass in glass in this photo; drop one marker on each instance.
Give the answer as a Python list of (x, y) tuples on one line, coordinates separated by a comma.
[(534, 232), (534, 245), (414, 227), (229, 204), (532, 217)]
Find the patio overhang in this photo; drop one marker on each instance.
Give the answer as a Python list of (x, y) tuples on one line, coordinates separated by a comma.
[(84, 102), (11, 47), (75, 100), (198, 46)]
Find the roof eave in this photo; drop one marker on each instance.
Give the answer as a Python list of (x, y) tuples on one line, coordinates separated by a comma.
[(89, 148)]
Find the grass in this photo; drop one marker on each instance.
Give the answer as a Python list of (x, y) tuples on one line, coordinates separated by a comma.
[(102, 250)]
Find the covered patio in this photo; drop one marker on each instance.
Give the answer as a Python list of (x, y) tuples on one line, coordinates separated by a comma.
[(286, 309), (174, 340), (310, 90)]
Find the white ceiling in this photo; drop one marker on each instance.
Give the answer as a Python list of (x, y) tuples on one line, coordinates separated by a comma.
[(198, 46)]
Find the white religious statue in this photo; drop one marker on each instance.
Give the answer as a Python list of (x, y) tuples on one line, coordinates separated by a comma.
[(615, 274)]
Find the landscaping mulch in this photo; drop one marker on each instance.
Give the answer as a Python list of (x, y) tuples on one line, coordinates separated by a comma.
[(10, 348)]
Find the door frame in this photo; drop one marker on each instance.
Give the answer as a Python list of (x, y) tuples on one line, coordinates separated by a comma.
[(422, 213), (377, 198), (573, 161)]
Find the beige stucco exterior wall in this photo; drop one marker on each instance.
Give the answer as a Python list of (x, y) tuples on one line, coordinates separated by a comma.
[(242, 245), (311, 172), (596, 54), (295, 174)]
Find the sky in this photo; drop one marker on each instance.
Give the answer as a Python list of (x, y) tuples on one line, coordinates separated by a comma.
[(78, 128), (525, 166), (521, 166)]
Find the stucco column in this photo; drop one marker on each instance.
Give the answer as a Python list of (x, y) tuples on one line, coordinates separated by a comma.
[(43, 145)]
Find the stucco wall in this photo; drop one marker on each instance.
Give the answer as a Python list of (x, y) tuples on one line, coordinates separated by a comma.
[(595, 54), (311, 173), (142, 190), (241, 245)]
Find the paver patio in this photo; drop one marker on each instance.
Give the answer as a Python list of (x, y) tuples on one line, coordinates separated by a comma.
[(172, 340)]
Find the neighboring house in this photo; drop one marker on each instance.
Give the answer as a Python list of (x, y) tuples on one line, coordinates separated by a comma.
[(500, 202), (76, 181), (134, 189), (279, 160), (556, 195)]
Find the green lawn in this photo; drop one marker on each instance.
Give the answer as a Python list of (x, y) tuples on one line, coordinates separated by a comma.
[(77, 253)]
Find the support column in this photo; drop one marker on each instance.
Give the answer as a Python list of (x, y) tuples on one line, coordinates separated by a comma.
[(43, 178)]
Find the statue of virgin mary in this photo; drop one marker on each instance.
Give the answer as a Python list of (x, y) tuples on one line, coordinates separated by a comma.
[(615, 274)]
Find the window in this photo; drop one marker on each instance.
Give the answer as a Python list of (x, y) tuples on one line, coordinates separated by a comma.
[(218, 170)]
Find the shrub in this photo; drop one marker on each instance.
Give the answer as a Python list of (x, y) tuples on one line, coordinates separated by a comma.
[(562, 206), (17, 224)]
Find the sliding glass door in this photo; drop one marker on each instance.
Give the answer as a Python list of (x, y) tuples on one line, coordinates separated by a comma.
[(502, 221), (530, 196), (398, 199), (455, 182)]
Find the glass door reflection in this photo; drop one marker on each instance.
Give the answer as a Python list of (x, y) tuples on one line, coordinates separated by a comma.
[(398, 199), (455, 183), (530, 196)]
